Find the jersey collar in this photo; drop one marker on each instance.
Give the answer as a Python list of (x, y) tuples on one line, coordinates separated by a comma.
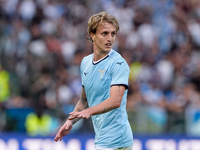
[(96, 62)]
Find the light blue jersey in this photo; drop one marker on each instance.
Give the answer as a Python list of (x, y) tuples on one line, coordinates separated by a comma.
[(112, 129)]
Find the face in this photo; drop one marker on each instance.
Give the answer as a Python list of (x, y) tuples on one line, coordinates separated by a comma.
[(104, 38)]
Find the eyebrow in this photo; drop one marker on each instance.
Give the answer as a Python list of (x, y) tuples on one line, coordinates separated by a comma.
[(108, 31)]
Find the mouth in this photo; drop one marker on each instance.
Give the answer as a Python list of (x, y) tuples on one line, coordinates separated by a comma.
[(108, 45)]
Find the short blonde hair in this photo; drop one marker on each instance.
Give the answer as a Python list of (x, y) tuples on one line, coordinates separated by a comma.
[(99, 18)]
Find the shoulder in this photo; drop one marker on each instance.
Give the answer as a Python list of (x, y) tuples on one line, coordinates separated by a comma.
[(114, 54), (87, 58), (117, 58)]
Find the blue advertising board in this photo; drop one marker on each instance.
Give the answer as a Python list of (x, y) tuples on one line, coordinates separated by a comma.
[(85, 141)]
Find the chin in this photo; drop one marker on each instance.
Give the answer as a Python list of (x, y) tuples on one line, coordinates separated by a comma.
[(107, 50)]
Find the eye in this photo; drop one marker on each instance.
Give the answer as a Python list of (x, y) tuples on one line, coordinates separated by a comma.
[(104, 33), (113, 33)]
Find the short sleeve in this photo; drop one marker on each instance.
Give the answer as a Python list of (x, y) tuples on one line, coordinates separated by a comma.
[(120, 73)]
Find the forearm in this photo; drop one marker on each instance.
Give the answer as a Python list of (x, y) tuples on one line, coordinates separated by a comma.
[(107, 105), (80, 106)]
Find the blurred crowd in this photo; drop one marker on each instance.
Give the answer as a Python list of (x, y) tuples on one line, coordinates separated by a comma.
[(42, 43)]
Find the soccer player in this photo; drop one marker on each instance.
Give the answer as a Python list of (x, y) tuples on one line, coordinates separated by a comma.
[(104, 76)]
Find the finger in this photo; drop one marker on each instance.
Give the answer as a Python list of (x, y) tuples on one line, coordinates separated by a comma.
[(71, 117), (79, 116), (56, 138), (59, 137), (72, 113), (85, 117)]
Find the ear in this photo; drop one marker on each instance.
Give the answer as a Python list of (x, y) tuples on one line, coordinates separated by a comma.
[(92, 36)]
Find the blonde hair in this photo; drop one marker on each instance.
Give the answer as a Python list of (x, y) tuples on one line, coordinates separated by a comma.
[(99, 18)]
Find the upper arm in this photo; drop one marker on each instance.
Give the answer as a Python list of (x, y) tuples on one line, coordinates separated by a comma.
[(117, 92), (120, 73)]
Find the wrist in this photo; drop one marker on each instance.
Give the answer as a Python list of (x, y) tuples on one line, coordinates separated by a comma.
[(73, 121), (91, 111)]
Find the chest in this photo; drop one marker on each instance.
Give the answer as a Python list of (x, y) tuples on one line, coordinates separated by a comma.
[(96, 77)]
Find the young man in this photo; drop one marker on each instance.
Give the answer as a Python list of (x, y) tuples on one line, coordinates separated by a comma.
[(104, 89)]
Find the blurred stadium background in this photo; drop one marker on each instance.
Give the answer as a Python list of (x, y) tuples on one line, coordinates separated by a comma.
[(42, 43)]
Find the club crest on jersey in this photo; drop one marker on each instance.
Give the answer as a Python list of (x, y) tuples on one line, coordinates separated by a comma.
[(102, 73)]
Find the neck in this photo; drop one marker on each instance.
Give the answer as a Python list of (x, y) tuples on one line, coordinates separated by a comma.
[(98, 55)]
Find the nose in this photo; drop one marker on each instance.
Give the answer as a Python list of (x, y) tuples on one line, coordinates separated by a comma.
[(110, 37)]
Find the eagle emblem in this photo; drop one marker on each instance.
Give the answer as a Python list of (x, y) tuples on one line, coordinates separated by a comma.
[(102, 73)]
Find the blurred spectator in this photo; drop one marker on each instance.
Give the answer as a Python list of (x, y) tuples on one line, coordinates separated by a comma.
[(40, 124), (4, 85)]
